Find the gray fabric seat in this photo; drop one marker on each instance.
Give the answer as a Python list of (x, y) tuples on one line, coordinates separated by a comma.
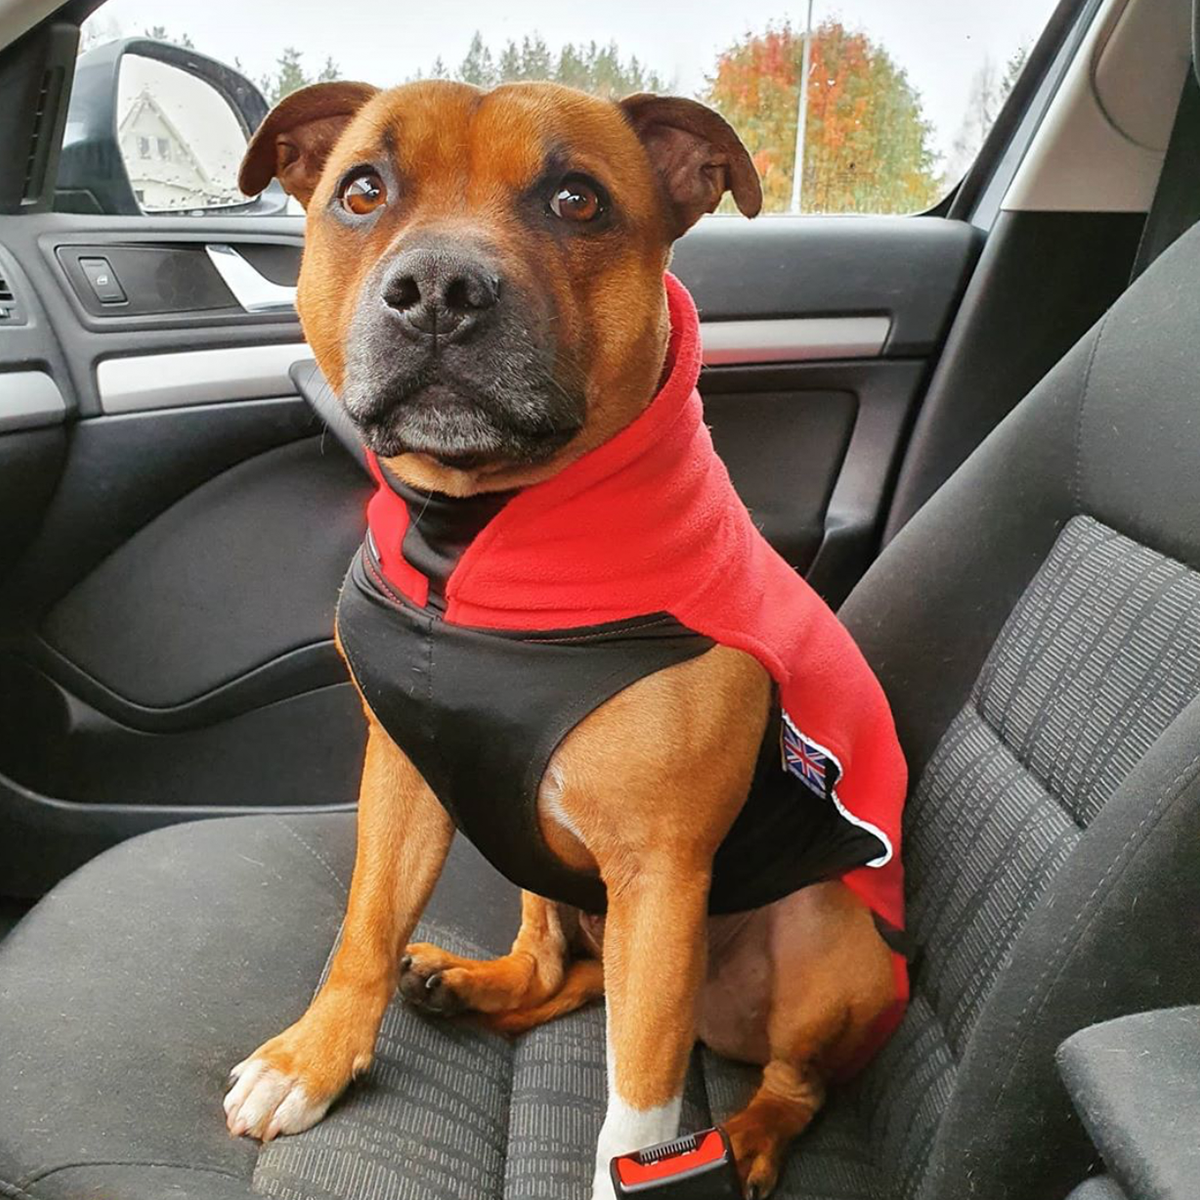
[(127, 995), (1037, 628)]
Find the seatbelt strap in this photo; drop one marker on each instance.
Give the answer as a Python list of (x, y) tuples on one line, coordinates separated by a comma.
[(1176, 206), (314, 387)]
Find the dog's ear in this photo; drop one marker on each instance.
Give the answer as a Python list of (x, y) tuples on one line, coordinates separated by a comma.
[(697, 155), (294, 141)]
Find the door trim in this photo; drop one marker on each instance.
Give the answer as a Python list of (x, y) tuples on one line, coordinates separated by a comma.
[(189, 377)]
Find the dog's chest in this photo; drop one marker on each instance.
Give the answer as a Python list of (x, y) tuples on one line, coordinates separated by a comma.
[(481, 712)]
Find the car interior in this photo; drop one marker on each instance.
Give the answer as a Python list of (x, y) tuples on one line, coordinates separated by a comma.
[(976, 431)]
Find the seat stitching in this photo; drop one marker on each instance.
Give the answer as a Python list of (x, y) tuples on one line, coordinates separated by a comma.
[(508, 1119), (316, 854), (1051, 791), (1057, 958), (1077, 473), (46, 1172)]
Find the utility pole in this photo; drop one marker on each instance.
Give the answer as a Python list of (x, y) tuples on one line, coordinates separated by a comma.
[(802, 114)]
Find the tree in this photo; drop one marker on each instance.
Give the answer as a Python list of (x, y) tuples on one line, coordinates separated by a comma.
[(867, 142), (592, 68), (989, 90), (1012, 72), (159, 34), (290, 75), (478, 67), (98, 30)]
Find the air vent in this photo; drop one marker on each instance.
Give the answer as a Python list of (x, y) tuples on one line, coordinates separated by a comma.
[(35, 162), (8, 303)]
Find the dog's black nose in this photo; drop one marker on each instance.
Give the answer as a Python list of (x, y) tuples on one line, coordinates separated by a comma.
[(440, 294)]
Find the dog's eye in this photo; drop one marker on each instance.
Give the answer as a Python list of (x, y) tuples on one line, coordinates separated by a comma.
[(577, 198), (363, 192)]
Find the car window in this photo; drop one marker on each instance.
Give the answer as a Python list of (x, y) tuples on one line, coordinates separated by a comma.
[(900, 94)]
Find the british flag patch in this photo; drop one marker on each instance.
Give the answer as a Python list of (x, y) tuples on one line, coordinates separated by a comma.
[(811, 763)]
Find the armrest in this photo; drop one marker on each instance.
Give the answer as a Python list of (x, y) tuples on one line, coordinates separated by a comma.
[(1135, 1082)]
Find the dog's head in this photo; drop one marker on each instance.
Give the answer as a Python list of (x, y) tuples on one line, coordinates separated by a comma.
[(482, 278)]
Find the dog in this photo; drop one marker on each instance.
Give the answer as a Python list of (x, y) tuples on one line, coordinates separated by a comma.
[(638, 711)]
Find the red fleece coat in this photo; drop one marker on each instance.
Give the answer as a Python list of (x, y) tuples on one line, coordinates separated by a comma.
[(649, 522)]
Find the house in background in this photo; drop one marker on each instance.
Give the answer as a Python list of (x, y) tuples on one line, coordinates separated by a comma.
[(164, 170)]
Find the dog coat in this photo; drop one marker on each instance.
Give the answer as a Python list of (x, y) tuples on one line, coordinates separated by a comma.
[(482, 630)]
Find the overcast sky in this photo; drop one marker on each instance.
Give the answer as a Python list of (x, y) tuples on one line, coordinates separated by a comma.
[(941, 43)]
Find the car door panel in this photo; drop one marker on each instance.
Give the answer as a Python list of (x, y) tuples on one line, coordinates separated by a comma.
[(167, 649), (167, 632)]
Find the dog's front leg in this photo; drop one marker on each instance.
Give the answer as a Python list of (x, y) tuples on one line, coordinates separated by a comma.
[(654, 950), (404, 834)]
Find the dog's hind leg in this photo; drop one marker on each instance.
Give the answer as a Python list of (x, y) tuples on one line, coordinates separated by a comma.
[(527, 976), (786, 1101), (832, 979), (583, 983)]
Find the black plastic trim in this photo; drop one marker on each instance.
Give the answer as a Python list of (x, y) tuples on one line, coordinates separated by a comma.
[(1043, 280), (33, 241), (887, 393), (912, 269), (303, 669), (163, 279), (36, 73)]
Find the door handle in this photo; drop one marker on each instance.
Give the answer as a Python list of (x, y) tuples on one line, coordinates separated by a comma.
[(250, 287)]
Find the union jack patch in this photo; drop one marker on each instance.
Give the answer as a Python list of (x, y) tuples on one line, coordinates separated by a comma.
[(811, 763)]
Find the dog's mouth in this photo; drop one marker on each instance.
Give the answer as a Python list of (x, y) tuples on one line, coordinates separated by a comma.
[(461, 427)]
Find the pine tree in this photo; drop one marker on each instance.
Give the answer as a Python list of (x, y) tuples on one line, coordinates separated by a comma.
[(290, 75), (158, 33), (984, 101), (478, 67), (599, 70)]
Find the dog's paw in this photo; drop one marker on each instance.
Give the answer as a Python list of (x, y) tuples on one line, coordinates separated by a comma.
[(265, 1101), (288, 1083), (759, 1155), (434, 981), (602, 1186)]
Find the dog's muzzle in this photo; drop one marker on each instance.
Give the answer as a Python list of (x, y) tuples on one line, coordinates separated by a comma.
[(445, 358)]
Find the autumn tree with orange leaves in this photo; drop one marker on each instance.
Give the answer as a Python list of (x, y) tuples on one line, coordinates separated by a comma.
[(867, 140)]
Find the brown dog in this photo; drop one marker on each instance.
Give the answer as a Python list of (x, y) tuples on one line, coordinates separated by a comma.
[(795, 986)]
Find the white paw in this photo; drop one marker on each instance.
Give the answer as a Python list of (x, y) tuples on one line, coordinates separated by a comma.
[(265, 1102), (602, 1188), (627, 1129)]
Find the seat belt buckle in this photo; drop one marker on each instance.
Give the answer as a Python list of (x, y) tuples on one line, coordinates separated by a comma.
[(697, 1166)]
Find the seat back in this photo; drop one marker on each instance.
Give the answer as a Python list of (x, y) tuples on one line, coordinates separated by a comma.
[(1037, 628)]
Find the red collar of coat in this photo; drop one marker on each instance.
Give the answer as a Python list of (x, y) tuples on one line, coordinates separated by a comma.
[(565, 535)]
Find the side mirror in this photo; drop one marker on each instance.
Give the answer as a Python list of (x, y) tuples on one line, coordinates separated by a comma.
[(154, 129)]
